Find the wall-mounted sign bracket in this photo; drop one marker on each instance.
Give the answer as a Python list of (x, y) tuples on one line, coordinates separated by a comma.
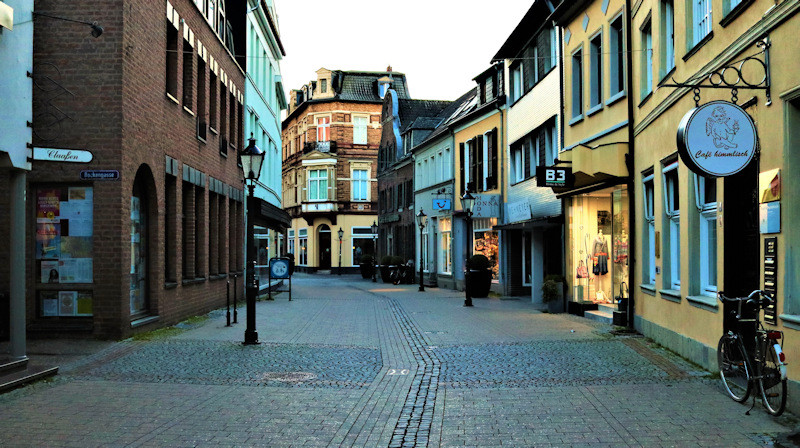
[(734, 76)]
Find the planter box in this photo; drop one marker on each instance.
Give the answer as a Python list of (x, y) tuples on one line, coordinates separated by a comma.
[(479, 282)]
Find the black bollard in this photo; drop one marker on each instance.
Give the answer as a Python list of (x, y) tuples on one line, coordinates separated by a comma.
[(228, 301), (235, 284)]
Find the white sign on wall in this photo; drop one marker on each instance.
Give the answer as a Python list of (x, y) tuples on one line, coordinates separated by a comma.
[(486, 206), (717, 139), (518, 211), (62, 155)]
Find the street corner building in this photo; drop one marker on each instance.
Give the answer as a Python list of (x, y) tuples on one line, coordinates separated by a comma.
[(330, 147), (144, 226)]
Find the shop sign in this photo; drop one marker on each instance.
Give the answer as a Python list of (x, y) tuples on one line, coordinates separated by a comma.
[(554, 176), (486, 206), (62, 155), (717, 139), (441, 204), (99, 175), (518, 211)]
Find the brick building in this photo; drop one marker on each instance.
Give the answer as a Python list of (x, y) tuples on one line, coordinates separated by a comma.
[(148, 232), (330, 145)]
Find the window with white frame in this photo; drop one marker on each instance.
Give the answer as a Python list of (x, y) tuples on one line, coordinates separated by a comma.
[(302, 236), (667, 36), (359, 130), (596, 70), (518, 155), (318, 185), (616, 43), (649, 246), (647, 60), (672, 234), (323, 129), (363, 243), (516, 82), (360, 185), (706, 197), (290, 241), (701, 20), (445, 240), (577, 84)]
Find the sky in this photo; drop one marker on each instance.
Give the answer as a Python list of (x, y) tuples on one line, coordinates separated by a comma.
[(440, 45)]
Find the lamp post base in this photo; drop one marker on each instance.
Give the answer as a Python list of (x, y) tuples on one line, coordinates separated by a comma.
[(250, 337), (468, 301)]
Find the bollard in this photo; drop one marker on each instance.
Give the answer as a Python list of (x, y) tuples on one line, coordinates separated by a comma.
[(235, 284), (228, 301)]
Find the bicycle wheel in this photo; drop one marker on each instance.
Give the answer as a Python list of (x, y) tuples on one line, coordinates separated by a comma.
[(733, 368), (773, 387)]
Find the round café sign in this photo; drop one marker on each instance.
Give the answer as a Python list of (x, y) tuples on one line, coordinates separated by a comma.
[(717, 139)]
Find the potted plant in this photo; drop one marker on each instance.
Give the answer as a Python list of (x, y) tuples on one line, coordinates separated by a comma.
[(367, 266), (386, 261), (553, 293), (479, 276)]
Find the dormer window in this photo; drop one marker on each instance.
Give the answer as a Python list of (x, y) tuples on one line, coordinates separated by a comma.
[(384, 84), (323, 86)]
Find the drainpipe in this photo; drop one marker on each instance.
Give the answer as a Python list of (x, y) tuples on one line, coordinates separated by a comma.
[(561, 114), (17, 315), (629, 161)]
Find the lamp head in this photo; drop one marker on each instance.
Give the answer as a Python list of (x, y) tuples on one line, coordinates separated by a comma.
[(341, 233), (97, 30), (374, 227), (421, 218), (467, 201), (252, 158)]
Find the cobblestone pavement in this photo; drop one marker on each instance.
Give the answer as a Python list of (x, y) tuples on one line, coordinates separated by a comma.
[(353, 363)]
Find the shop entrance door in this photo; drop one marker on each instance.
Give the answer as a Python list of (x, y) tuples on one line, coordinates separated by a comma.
[(742, 270), (324, 246), (138, 270)]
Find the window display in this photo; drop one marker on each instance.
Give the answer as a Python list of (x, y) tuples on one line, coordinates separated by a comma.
[(484, 241)]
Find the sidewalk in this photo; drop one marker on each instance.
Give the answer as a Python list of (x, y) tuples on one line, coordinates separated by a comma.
[(349, 362)]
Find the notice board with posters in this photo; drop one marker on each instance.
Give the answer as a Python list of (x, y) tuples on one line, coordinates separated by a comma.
[(64, 249)]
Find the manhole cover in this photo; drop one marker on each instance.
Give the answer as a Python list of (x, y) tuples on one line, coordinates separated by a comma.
[(289, 377)]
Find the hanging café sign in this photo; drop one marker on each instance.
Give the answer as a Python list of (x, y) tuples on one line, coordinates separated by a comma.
[(717, 139)]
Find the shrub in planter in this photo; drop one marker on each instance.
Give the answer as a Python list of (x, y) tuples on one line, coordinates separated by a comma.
[(367, 266), (553, 293), (479, 276), (386, 261)]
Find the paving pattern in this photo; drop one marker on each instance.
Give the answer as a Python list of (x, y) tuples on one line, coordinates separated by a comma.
[(351, 363)]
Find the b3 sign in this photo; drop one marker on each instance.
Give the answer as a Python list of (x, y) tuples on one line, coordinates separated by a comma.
[(554, 176)]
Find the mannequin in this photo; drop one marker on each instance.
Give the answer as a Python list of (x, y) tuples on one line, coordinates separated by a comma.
[(621, 248), (600, 254)]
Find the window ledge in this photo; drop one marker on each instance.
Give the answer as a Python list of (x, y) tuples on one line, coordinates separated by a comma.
[(648, 289), (188, 111), (595, 109), (213, 131), (144, 321), (193, 281), (201, 139), (576, 119), (172, 98), (734, 13), (217, 276), (670, 294), (616, 97), (646, 98), (665, 76), (791, 321), (697, 46), (170, 285), (707, 303)]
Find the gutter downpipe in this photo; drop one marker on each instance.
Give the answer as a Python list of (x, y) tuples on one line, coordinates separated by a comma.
[(629, 161), (561, 137)]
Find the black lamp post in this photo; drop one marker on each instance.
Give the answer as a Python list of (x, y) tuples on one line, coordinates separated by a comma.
[(467, 201), (252, 158), (421, 218), (341, 235), (374, 229)]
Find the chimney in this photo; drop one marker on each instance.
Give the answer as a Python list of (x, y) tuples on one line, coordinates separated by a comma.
[(389, 69)]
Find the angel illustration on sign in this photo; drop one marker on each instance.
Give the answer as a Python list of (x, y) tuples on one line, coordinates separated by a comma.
[(717, 127)]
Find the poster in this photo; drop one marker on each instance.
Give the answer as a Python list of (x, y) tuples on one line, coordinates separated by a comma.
[(769, 186), (49, 303), (76, 246), (48, 241), (66, 303), (48, 204), (84, 304), (50, 273), (78, 211), (75, 270), (769, 217)]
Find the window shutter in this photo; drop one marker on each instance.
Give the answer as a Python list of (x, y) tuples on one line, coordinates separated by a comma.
[(331, 193), (478, 178), (542, 148), (461, 168), (493, 159), (473, 165), (526, 154)]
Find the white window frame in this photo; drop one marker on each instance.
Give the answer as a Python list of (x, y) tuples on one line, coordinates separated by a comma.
[(701, 20), (667, 36), (303, 245), (290, 243), (672, 224), (649, 257), (486, 161), (516, 83), (360, 236), (323, 128), (445, 240), (646, 40), (708, 216), (315, 185), (518, 155), (360, 129), (357, 180)]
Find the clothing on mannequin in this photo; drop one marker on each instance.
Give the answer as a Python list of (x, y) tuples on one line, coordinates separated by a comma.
[(621, 248), (600, 254)]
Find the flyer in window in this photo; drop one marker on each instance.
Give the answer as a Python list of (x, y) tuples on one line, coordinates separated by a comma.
[(49, 303), (48, 241), (75, 270), (47, 205), (66, 302), (84, 304), (50, 272), (76, 246)]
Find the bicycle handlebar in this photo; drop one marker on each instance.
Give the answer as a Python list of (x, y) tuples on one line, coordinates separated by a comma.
[(759, 297)]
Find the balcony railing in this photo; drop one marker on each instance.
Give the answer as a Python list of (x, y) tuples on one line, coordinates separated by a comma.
[(329, 146)]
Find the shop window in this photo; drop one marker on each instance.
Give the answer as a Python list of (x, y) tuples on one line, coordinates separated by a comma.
[(527, 259), (261, 236), (64, 250), (303, 241), (290, 246), (445, 241), (706, 198), (484, 241), (170, 234), (649, 232), (672, 233), (423, 247), (363, 243), (213, 233)]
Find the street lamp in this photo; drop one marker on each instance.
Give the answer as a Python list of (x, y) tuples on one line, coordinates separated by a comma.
[(252, 158), (374, 229), (341, 235), (467, 201), (421, 218)]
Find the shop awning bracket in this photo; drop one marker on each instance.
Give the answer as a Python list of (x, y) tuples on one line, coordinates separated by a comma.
[(731, 76)]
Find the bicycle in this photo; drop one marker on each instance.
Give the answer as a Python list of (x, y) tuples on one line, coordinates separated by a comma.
[(750, 356)]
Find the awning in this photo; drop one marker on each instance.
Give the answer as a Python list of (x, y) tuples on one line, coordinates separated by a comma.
[(268, 215), (530, 224)]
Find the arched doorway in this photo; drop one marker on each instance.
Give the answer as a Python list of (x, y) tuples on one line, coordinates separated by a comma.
[(324, 246), (141, 202)]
